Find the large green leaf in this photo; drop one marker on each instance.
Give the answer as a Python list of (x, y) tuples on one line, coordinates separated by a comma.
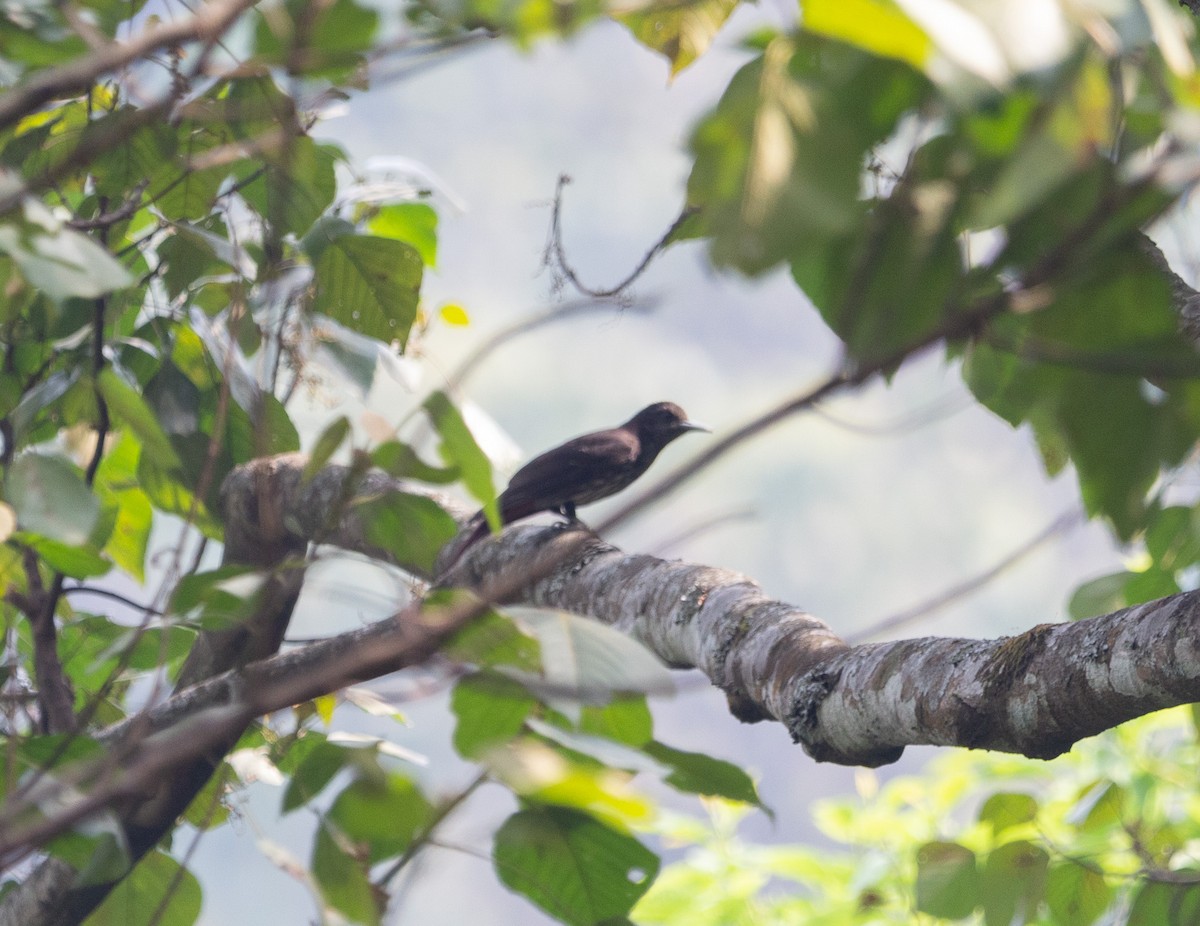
[(411, 529), (490, 709), (296, 186), (329, 40), (127, 407), (576, 869), (697, 773), (877, 26), (382, 814), (459, 449), (51, 499), (589, 660), (779, 161), (1075, 894), (158, 892), (343, 878), (413, 223), (58, 260), (1012, 883), (947, 880), (369, 284), (1078, 370), (1163, 903)]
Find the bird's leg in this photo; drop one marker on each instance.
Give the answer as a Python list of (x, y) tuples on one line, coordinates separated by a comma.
[(567, 510)]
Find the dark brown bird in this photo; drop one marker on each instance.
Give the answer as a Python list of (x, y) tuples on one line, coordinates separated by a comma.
[(587, 468)]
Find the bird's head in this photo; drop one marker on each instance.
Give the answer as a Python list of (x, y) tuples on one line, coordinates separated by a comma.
[(661, 423)]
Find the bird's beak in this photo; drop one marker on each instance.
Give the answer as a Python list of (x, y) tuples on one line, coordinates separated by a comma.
[(694, 426)]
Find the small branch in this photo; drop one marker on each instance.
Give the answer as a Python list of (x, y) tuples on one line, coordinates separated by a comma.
[(532, 323), (106, 220), (55, 695), (556, 255), (115, 596), (1060, 524), (426, 836)]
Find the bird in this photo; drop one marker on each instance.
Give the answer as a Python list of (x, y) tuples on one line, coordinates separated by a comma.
[(585, 469)]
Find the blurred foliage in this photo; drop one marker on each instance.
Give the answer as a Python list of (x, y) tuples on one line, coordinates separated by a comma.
[(178, 259), (1104, 834)]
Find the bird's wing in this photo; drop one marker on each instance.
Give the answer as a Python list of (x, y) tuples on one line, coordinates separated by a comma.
[(559, 475)]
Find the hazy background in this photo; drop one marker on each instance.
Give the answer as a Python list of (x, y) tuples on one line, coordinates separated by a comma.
[(883, 499)]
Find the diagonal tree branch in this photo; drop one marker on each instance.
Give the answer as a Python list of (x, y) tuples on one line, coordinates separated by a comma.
[(1035, 693)]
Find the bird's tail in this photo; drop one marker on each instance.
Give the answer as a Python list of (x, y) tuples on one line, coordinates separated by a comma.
[(476, 529)]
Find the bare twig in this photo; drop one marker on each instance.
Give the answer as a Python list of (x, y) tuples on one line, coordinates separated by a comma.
[(556, 255), (532, 322), (1059, 525)]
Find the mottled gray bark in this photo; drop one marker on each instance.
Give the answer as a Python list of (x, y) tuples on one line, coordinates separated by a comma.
[(1036, 693)]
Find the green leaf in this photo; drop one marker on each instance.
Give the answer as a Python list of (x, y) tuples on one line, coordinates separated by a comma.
[(696, 773), (490, 710), (128, 407), (117, 486), (1101, 808), (947, 880), (76, 562), (877, 26), (1013, 882), (778, 168), (1102, 595), (1006, 809), (1162, 903), (221, 597), (589, 660), (681, 32), (172, 491), (400, 460), (576, 869), (328, 443), (175, 401), (1172, 538), (411, 529), (40, 397), (60, 261), (413, 223), (624, 720), (298, 183), (314, 772), (370, 285), (264, 430), (459, 449), (51, 499), (491, 640), (381, 814), (1077, 370), (343, 879), (1076, 895), (334, 37), (158, 892)]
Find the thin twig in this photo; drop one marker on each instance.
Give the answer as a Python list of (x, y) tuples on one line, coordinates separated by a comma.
[(426, 835), (1062, 523), (115, 596), (556, 255), (692, 531), (532, 322)]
